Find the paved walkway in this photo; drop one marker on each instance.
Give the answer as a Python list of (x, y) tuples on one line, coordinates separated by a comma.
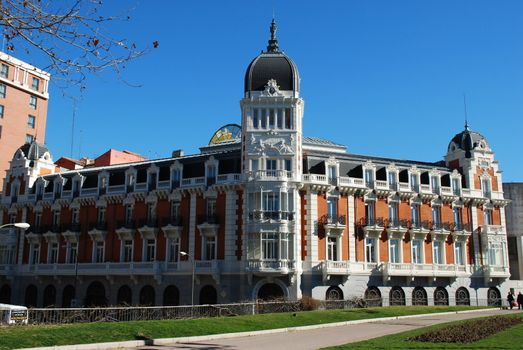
[(323, 337)]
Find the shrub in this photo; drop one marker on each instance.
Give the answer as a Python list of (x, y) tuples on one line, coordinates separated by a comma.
[(469, 331), (309, 304)]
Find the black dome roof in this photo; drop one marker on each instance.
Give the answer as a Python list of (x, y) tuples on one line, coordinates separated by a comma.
[(34, 150), (468, 140), (272, 64)]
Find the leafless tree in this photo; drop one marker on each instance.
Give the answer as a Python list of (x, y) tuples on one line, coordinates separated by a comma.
[(72, 36)]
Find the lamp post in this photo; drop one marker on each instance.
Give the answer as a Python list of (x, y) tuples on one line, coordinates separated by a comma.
[(23, 225), (192, 279)]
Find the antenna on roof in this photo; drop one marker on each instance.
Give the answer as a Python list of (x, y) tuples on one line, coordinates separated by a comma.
[(466, 116)]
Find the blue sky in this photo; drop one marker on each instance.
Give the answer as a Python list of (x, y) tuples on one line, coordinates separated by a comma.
[(385, 78)]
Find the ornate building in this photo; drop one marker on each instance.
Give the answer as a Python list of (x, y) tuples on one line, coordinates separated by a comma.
[(260, 212)]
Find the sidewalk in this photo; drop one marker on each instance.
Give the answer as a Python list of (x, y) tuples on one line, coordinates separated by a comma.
[(306, 337)]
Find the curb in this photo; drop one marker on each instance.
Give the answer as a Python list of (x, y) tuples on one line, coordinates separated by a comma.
[(165, 341)]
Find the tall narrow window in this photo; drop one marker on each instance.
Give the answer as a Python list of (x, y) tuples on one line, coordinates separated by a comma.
[(487, 216), (56, 218), (269, 242), (263, 118), (495, 256), (29, 138), (393, 180), (332, 175), (35, 84), (75, 216), (128, 214), (3, 90), (272, 118), (99, 252), (209, 248), (288, 118), (151, 213), (415, 215), (211, 209), (288, 164), (456, 186), (369, 178), (72, 253), (175, 211), (150, 252), (414, 184), (437, 252), (436, 217), (456, 213), (1, 111), (280, 118), (393, 214), (485, 186), (332, 248), (255, 112), (458, 252), (417, 251), (32, 102), (4, 71), (52, 257), (332, 209), (174, 249), (370, 250), (370, 213), (434, 180), (394, 251), (35, 254), (127, 251)]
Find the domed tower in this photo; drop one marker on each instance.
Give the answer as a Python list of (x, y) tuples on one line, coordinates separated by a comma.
[(29, 161), (481, 188), (272, 112)]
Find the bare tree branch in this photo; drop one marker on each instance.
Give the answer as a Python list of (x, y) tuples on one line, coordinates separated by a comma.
[(71, 35)]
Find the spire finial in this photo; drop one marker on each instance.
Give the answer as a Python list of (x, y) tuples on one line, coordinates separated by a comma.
[(466, 116), (273, 42)]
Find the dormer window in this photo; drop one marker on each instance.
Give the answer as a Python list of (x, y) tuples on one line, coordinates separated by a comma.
[(434, 180), (332, 174), (76, 188), (369, 177), (57, 190), (176, 178), (152, 181), (393, 179), (211, 174), (414, 182)]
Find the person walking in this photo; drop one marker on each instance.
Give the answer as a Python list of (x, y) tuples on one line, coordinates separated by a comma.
[(520, 301), (510, 299)]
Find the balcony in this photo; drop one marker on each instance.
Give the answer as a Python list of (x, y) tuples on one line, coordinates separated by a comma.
[(125, 229), (207, 267), (427, 193), (95, 269), (492, 229), (440, 229), (425, 270), (352, 186), (148, 228), (270, 175), (382, 188), (461, 231), (228, 178), (271, 267), (333, 224), (373, 225), (397, 227), (335, 268), (490, 272), (271, 215)]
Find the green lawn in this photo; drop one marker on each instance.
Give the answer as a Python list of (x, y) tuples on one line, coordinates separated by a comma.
[(511, 338), (12, 337)]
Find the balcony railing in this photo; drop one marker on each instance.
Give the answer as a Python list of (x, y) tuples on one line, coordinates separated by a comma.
[(173, 221), (271, 174), (330, 219), (372, 222), (271, 215), (271, 266)]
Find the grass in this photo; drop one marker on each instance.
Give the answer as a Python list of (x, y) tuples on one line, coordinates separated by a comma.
[(511, 338), (13, 337)]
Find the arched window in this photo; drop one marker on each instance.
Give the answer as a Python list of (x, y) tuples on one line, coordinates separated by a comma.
[(208, 295), (171, 296), (124, 296), (493, 297), (67, 296), (49, 296), (462, 296), (397, 296), (419, 296), (373, 296), (95, 295), (334, 293), (147, 296), (441, 297), (31, 296), (270, 291)]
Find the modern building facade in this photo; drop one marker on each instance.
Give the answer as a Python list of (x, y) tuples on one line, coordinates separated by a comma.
[(23, 107), (262, 211)]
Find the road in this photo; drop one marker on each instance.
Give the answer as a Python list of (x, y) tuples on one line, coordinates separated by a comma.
[(323, 337)]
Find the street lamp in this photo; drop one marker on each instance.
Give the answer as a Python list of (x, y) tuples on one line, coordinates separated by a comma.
[(23, 225), (192, 279)]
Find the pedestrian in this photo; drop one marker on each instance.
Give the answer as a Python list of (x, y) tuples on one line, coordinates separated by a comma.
[(520, 301), (510, 299)]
